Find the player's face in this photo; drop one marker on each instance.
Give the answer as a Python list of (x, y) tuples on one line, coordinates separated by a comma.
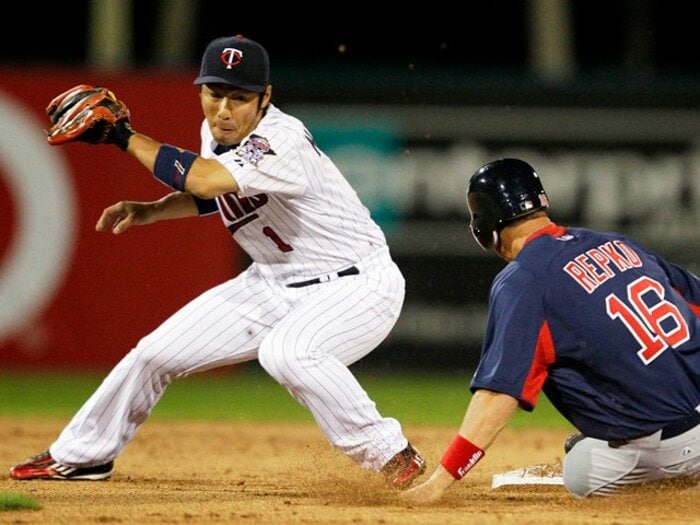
[(231, 113)]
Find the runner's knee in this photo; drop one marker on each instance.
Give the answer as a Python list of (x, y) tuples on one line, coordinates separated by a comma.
[(592, 467)]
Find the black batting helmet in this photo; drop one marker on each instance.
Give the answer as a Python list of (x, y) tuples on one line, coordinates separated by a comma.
[(499, 192)]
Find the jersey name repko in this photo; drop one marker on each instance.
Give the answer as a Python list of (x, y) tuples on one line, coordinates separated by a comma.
[(586, 268), (653, 321)]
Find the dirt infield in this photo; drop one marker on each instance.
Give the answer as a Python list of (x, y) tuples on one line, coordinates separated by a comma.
[(195, 472)]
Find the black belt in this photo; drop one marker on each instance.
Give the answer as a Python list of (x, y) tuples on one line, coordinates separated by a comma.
[(318, 280), (671, 430), (680, 426)]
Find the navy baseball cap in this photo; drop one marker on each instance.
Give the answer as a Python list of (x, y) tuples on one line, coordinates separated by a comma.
[(236, 61)]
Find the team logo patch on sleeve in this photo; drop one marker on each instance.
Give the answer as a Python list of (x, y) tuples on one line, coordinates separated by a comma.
[(254, 149)]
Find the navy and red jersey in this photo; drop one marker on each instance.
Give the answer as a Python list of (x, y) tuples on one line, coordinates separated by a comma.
[(606, 328)]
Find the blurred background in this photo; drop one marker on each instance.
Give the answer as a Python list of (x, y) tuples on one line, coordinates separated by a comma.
[(602, 97)]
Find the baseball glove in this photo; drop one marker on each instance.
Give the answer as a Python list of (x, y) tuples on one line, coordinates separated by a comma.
[(88, 114)]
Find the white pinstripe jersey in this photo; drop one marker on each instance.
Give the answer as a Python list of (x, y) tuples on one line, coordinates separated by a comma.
[(295, 214)]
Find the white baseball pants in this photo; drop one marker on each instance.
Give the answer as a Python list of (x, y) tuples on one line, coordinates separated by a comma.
[(592, 467), (305, 338)]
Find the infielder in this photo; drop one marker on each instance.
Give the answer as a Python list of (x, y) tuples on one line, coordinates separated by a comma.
[(321, 293), (606, 328)]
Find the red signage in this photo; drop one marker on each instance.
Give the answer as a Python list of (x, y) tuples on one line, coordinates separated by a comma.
[(71, 297)]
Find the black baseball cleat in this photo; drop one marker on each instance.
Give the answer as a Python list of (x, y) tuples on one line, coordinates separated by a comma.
[(44, 466), (404, 468)]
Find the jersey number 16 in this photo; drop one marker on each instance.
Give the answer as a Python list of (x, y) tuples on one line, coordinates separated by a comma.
[(655, 327)]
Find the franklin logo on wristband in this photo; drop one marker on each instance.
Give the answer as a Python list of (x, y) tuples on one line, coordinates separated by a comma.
[(461, 456), (462, 471)]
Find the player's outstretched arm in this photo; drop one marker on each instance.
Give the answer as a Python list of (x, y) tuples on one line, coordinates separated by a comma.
[(180, 169), (123, 215), (487, 414), (95, 115)]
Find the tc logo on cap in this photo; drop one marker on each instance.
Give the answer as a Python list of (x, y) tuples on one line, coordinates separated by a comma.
[(231, 57), (223, 63)]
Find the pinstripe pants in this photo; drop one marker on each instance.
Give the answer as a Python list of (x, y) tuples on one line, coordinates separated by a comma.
[(304, 338)]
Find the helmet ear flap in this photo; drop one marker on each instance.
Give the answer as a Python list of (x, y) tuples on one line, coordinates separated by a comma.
[(485, 239)]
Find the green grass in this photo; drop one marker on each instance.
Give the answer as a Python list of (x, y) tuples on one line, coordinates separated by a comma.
[(16, 501), (248, 394)]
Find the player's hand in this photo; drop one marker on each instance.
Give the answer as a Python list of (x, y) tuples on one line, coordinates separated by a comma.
[(423, 494), (429, 491), (123, 215)]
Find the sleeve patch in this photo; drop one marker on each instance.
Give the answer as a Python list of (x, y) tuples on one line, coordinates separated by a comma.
[(254, 149)]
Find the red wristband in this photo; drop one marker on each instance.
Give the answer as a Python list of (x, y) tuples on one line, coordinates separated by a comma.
[(461, 456)]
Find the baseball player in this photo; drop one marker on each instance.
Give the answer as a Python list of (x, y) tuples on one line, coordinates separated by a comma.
[(606, 328), (321, 293)]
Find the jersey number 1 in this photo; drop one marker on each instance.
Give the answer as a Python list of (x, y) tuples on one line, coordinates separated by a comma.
[(272, 234), (655, 327)]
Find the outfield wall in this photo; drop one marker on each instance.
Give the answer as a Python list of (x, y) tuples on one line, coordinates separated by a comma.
[(74, 298), (70, 296)]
